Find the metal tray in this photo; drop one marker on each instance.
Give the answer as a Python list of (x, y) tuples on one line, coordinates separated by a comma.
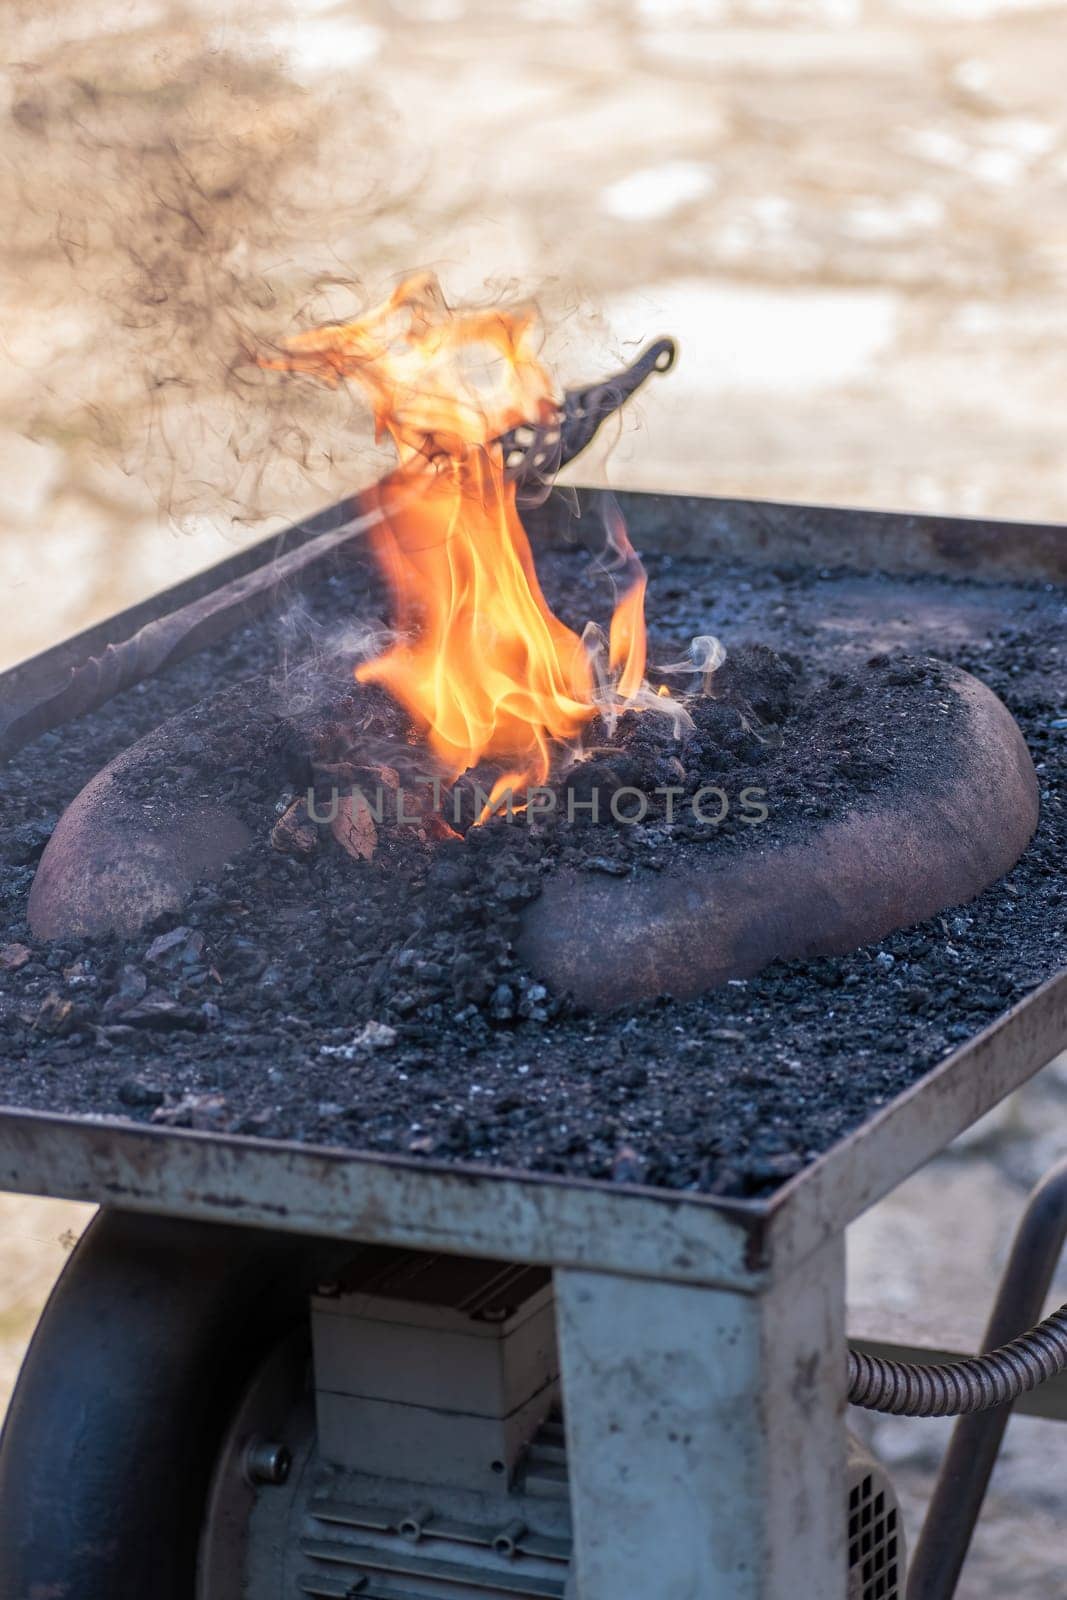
[(636, 1231)]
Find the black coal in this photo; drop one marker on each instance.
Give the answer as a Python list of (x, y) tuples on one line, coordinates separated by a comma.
[(379, 1004)]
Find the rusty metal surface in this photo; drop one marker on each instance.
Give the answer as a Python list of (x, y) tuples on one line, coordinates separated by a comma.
[(382, 1199), (527, 1217), (705, 1446), (682, 1237)]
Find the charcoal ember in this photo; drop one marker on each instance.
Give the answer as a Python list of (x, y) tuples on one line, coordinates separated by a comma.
[(600, 778), (450, 869), (14, 956), (80, 975), (669, 771), (131, 986), (245, 957), (294, 833), (628, 1166), (535, 1003), (266, 1123), (462, 805), (770, 1170), (373, 1036), (755, 677), (25, 844), (721, 740), (162, 1014), (182, 947), (119, 1035), (422, 808), (470, 981), (907, 671), (56, 1016), (512, 891), (354, 827), (502, 1003), (207, 1113), (611, 866), (140, 1094)]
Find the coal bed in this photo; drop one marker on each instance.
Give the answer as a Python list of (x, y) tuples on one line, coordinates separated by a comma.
[(380, 1005)]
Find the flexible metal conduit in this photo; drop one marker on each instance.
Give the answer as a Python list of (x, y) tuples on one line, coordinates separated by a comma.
[(968, 1462), (957, 1388)]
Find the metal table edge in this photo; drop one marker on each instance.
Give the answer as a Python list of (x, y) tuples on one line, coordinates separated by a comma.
[(733, 1242), (382, 1198), (917, 1124), (78, 647), (979, 535)]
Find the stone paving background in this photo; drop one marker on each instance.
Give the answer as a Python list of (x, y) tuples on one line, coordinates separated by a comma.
[(853, 214)]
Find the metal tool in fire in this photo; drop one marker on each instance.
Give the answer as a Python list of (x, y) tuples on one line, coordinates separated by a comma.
[(533, 454)]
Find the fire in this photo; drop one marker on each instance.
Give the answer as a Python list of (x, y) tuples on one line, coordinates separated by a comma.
[(480, 661)]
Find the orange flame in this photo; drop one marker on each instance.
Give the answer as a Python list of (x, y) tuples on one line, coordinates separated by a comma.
[(482, 664)]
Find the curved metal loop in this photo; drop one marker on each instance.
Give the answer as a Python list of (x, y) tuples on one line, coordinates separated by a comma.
[(533, 455)]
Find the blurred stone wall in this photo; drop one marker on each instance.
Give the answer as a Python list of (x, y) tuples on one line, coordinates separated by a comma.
[(853, 215)]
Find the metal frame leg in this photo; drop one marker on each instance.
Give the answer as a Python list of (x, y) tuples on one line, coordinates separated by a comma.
[(969, 1460), (705, 1435)]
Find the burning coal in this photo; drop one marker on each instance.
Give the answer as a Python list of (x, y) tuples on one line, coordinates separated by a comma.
[(481, 662)]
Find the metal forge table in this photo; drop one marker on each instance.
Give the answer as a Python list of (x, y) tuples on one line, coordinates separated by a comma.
[(701, 1340)]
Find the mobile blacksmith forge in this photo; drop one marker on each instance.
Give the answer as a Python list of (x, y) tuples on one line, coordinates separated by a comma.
[(281, 1371)]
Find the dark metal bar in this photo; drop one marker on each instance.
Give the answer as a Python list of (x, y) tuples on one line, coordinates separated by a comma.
[(534, 455), (968, 1464), (49, 667), (165, 640)]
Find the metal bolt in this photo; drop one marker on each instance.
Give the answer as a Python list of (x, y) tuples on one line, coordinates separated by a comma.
[(267, 1461), (506, 1542), (415, 1522)]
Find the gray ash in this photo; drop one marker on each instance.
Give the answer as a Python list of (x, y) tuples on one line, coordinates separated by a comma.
[(380, 1006)]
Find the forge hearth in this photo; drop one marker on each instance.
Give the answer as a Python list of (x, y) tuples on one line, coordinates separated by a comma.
[(788, 819), (381, 1005), (656, 841)]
